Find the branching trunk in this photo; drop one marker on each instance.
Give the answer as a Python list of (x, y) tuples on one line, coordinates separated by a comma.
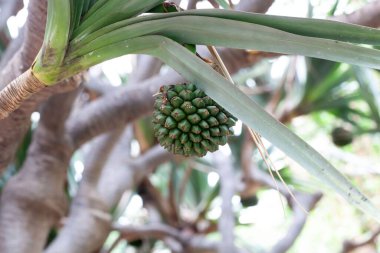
[(33, 201), (15, 126)]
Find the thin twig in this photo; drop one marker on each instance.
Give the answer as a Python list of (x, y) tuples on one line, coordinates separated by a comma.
[(260, 147), (255, 136), (271, 166), (350, 245), (220, 62)]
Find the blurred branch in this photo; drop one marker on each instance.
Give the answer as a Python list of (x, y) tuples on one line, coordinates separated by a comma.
[(192, 4), (120, 173), (34, 33), (190, 243), (259, 6), (146, 67), (350, 245), (151, 195), (97, 156), (368, 15), (87, 208), (95, 84), (308, 201), (214, 3), (156, 231), (281, 94), (116, 109), (172, 198), (8, 9), (13, 128), (12, 47), (33, 201), (254, 178), (116, 179), (226, 224)]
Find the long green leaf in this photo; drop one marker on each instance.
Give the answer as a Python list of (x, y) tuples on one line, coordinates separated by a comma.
[(369, 85), (95, 6), (336, 103), (86, 5), (339, 74), (112, 11), (76, 13), (228, 33), (240, 105), (318, 28), (57, 32)]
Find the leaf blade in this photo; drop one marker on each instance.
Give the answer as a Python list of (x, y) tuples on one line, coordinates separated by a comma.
[(191, 30), (368, 82), (310, 27)]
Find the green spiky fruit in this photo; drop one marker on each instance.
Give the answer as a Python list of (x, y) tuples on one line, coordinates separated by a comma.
[(188, 122)]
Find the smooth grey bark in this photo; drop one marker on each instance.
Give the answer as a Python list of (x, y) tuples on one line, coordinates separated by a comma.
[(33, 201)]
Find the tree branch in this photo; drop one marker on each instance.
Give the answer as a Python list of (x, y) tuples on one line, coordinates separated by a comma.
[(116, 109), (351, 245), (190, 243), (120, 174), (10, 135), (146, 67), (308, 201), (259, 6), (155, 231), (34, 200), (13, 128), (227, 220), (368, 15), (87, 207), (192, 4), (8, 9)]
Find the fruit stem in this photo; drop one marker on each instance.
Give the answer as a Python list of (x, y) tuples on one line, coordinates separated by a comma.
[(220, 62), (256, 137)]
